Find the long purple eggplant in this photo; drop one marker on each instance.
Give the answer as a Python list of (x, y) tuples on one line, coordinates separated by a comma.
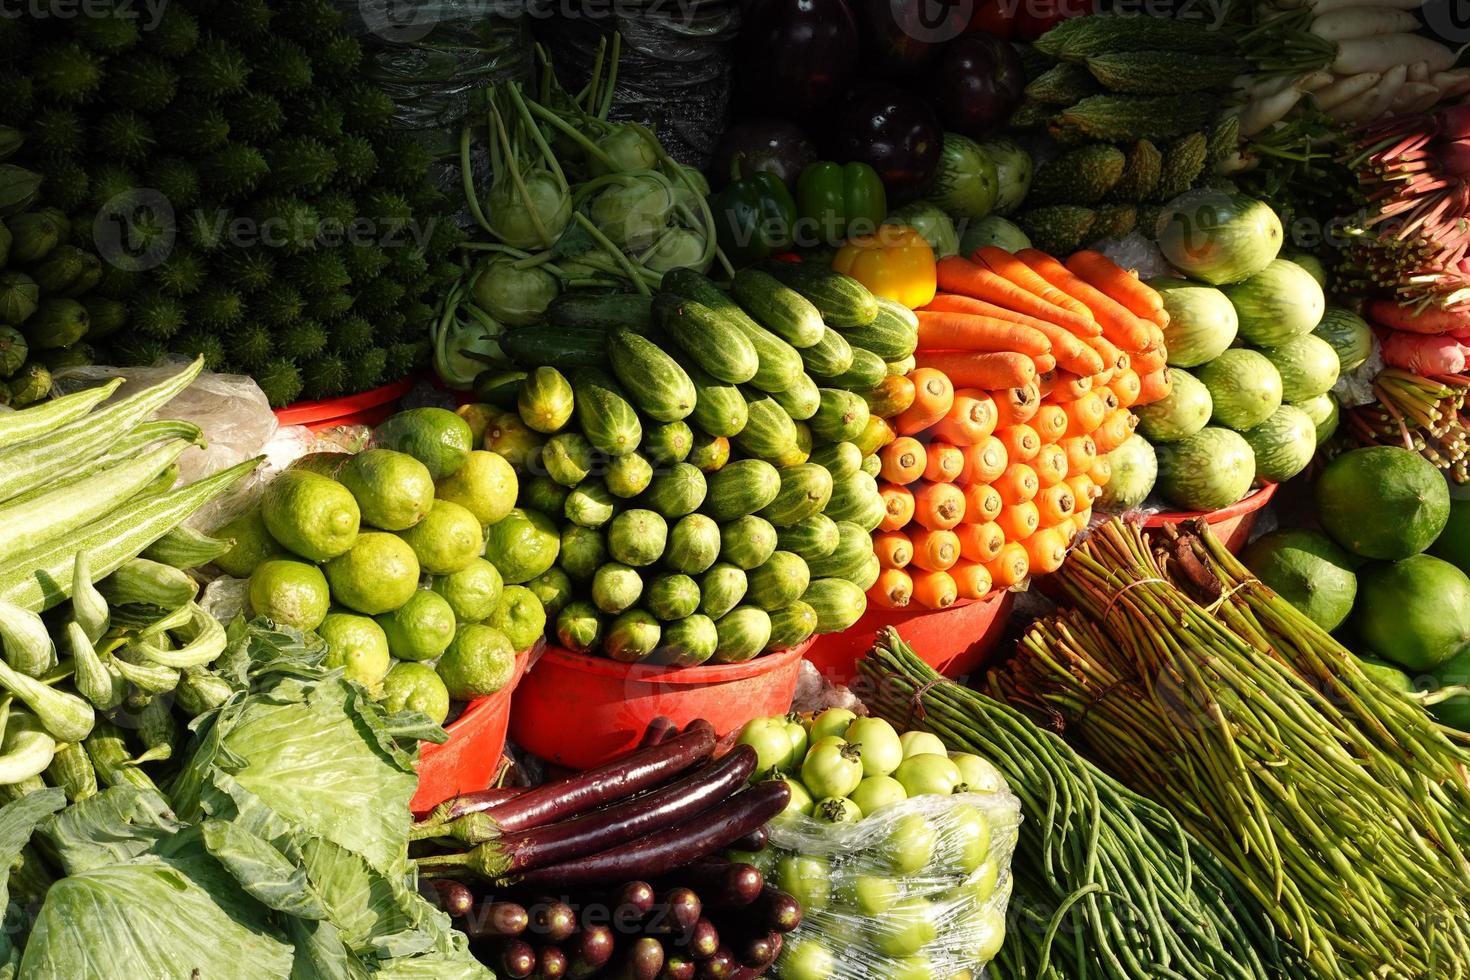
[(658, 854), (660, 730), (475, 802), (496, 920)]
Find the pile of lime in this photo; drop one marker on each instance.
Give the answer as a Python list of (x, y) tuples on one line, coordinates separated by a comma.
[(382, 553)]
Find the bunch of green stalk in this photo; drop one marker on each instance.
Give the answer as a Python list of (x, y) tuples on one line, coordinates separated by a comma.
[(1106, 882), (1340, 805), (1424, 415)]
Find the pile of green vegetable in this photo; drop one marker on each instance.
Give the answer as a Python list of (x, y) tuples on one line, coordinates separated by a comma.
[(1136, 103), (267, 215), (47, 277), (711, 495)]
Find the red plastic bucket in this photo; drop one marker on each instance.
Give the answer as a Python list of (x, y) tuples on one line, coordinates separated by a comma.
[(367, 408), (953, 641), (1232, 525), (578, 711), (469, 761)]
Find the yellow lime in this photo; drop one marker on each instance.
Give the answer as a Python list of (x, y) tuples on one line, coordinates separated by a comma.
[(479, 661), (435, 437), (446, 540), (393, 490), (415, 687), (359, 646), (313, 516), (519, 615), (472, 591), (421, 628), (253, 544), (290, 592), (523, 544), (378, 573), (485, 486)]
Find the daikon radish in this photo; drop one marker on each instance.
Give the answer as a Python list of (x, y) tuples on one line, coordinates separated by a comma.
[(1391, 51), (1344, 90), (1262, 113), (1414, 97), (1371, 104), (1351, 23)]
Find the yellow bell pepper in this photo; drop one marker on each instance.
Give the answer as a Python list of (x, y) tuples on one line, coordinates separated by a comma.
[(895, 262)]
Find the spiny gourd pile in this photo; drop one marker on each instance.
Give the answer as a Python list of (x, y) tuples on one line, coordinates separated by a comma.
[(1135, 102), (247, 115), (710, 464)]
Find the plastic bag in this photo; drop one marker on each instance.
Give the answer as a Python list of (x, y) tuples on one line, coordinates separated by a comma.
[(918, 888)]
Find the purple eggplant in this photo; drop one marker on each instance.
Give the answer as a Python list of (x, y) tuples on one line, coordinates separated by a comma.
[(893, 131), (517, 959), (504, 920), (776, 909), (976, 84), (551, 963), (796, 56), (637, 896), (770, 145), (644, 959), (589, 951), (677, 966), (451, 896), (722, 884), (756, 840), (758, 951), (552, 921), (703, 940), (661, 729), (721, 966), (901, 39)]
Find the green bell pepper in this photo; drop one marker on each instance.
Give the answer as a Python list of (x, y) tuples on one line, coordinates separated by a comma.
[(755, 216), (832, 198)]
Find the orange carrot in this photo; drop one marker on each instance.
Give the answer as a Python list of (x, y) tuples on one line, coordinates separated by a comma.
[(1113, 358), (1019, 521), (1050, 422), (1119, 284), (987, 371), (1069, 387), (898, 507), (1160, 317), (971, 580), (970, 419), (966, 331), (980, 542), (934, 590), (1045, 364), (984, 461), (1003, 263), (1050, 464), (958, 275), (1109, 398), (933, 397), (1150, 360), (893, 548), (1017, 484), (1021, 442), (1016, 405), (1118, 323), (983, 502), (946, 462), (956, 303), (1045, 382), (1046, 550), (1010, 566), (1056, 504), (892, 395), (939, 506), (935, 551), (1126, 387), (1102, 471), (1116, 428), (1084, 489), (1081, 451), (1085, 414), (902, 461), (1154, 386), (893, 590)]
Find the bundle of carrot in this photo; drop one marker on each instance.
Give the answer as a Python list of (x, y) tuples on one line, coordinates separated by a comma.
[(1025, 375)]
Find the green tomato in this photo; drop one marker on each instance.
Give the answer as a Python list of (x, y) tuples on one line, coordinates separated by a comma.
[(907, 927), (982, 933), (910, 843), (806, 959), (833, 721), (928, 775), (801, 800), (978, 775), (873, 894), (981, 884), (967, 839), (881, 748), (921, 743), (796, 734), (876, 792), (832, 768), (806, 879), (837, 809), (916, 967), (763, 860), (771, 743)]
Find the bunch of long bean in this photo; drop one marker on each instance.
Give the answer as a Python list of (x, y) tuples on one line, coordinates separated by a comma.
[(1106, 882), (1339, 805)]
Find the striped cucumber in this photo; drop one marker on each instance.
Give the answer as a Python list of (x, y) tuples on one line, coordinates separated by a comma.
[(782, 310), (200, 691), (109, 754), (27, 750), (103, 688), (26, 641), (31, 524), (71, 772), (41, 578), (777, 362), (203, 637), (38, 420), (184, 547), (149, 583), (34, 464)]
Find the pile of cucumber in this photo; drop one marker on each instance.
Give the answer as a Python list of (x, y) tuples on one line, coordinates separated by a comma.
[(89, 513), (709, 456)]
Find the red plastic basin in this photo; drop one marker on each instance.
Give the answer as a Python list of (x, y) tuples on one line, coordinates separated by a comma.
[(367, 408), (469, 761), (953, 641), (1232, 525), (578, 711)]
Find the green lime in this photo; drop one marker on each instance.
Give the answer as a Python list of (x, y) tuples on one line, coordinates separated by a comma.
[(519, 615), (435, 437), (378, 573), (446, 540), (514, 441), (393, 490), (554, 588), (327, 464), (313, 516), (253, 544), (479, 661), (290, 592), (522, 545), (415, 687), (421, 628), (485, 486), (357, 645), (472, 591)]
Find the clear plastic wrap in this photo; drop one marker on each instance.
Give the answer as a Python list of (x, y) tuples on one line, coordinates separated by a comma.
[(917, 889)]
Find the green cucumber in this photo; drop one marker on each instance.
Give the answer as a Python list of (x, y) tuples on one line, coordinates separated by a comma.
[(855, 498), (581, 309), (839, 459), (184, 547), (801, 400), (39, 420), (837, 602), (842, 300), (721, 589), (653, 379), (813, 538), (743, 634), (719, 408), (779, 308), (842, 416), (675, 491), (710, 339), (805, 490), (829, 357), (791, 626), (866, 372), (892, 335), (777, 362), (769, 433), (605, 416), (779, 582), (844, 561), (565, 349), (747, 542), (741, 487)]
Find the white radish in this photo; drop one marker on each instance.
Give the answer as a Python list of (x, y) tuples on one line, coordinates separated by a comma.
[(1320, 7), (1269, 86), (1314, 80), (1419, 71), (1372, 105), (1351, 23), (1452, 83), (1345, 90), (1389, 52), (1414, 97), (1263, 112)]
